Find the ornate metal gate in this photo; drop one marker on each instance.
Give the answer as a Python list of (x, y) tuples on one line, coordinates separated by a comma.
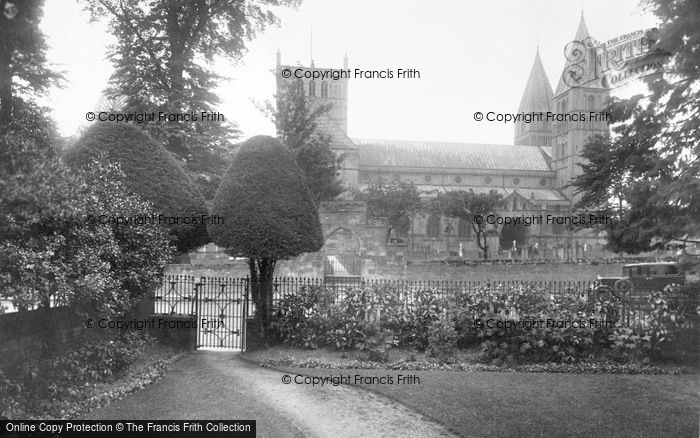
[(218, 305), (221, 310)]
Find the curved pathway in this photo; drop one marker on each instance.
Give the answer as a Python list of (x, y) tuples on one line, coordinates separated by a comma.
[(218, 385)]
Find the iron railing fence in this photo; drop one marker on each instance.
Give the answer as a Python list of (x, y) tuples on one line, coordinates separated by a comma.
[(178, 294)]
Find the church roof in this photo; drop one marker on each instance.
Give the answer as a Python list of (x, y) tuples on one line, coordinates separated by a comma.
[(455, 156), (576, 69), (538, 91), (339, 139)]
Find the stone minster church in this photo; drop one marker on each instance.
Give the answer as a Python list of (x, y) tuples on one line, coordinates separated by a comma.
[(533, 174)]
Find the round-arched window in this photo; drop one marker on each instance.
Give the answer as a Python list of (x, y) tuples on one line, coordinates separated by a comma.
[(516, 181), (458, 179)]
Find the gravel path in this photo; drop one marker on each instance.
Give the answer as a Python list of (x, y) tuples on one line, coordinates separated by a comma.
[(214, 385)]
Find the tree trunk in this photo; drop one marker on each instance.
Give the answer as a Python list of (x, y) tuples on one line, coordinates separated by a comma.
[(6, 50), (261, 277), (176, 67)]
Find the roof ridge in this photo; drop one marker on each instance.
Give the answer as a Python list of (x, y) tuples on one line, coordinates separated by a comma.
[(389, 141)]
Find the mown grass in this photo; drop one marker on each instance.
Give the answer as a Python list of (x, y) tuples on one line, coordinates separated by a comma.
[(521, 404)]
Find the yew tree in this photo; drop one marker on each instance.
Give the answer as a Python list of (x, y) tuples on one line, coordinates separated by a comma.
[(151, 172), (164, 59), (268, 215)]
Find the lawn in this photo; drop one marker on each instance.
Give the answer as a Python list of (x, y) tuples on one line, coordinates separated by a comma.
[(507, 404)]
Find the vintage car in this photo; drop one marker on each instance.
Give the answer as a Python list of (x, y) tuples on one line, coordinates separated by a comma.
[(639, 279)]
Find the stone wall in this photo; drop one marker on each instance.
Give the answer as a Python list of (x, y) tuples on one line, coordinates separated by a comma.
[(393, 268), (23, 334), (480, 272)]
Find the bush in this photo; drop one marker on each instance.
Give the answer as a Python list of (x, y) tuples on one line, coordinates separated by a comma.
[(558, 329), (546, 341), (45, 382), (675, 323), (423, 308), (302, 318), (377, 342), (629, 345), (347, 319), (442, 339), (150, 171)]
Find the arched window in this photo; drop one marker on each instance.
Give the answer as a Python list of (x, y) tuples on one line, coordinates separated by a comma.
[(312, 88), (324, 89), (591, 103), (300, 84), (432, 230), (464, 231)]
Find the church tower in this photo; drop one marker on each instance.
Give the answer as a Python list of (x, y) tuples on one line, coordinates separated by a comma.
[(537, 98), (333, 91), (320, 91), (580, 92)]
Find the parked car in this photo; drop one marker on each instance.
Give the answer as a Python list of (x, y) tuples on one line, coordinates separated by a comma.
[(638, 279)]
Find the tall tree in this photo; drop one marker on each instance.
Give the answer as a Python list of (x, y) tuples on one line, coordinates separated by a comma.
[(151, 172), (297, 119), (267, 215), (392, 201), (471, 208), (646, 173), (163, 59), (23, 66)]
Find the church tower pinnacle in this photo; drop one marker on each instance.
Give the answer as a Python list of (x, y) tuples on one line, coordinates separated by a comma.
[(580, 91), (537, 98)]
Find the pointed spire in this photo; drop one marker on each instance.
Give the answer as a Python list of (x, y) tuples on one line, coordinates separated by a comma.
[(580, 41), (582, 31), (538, 91), (537, 98)]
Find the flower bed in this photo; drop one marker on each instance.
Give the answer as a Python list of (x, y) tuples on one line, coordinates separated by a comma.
[(517, 326)]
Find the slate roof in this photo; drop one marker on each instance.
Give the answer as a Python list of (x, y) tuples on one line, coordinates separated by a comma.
[(339, 139), (455, 156)]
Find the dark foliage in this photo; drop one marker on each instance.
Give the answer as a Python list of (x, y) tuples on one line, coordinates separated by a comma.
[(163, 60), (151, 172), (467, 206), (268, 214), (265, 204), (296, 119), (646, 173), (23, 69)]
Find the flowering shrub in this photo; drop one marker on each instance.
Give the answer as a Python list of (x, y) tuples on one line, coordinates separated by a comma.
[(519, 325)]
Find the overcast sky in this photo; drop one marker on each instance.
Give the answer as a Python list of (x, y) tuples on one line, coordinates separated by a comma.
[(472, 56)]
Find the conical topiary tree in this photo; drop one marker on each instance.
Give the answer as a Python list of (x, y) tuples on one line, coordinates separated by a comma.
[(152, 173), (268, 214)]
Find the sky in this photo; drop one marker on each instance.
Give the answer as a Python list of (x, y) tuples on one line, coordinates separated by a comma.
[(472, 56)]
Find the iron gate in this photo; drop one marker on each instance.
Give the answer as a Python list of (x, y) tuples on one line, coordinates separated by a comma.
[(221, 312), (219, 306)]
